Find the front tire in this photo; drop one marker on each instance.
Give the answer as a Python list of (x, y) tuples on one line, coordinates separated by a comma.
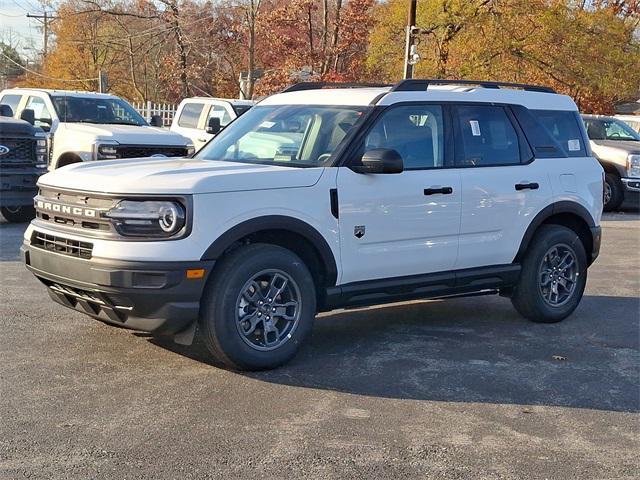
[(613, 192), (258, 307), (553, 276), (21, 214)]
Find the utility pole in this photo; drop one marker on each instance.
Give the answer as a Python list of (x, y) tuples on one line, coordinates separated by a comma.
[(44, 18), (410, 38)]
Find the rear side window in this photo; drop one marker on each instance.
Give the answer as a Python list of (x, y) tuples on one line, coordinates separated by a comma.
[(564, 128), (485, 136), (190, 115), (12, 100)]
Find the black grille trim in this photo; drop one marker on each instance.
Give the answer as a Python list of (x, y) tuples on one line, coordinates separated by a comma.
[(64, 246), (22, 150), (135, 151)]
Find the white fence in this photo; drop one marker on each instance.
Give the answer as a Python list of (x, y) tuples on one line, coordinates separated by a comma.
[(148, 109)]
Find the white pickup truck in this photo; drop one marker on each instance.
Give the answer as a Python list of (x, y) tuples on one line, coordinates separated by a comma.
[(86, 126)]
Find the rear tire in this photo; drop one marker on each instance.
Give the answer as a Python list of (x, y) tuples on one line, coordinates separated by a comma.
[(258, 307), (21, 214), (614, 192), (553, 276)]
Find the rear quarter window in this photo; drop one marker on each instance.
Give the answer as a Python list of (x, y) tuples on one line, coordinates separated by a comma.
[(564, 128), (12, 100)]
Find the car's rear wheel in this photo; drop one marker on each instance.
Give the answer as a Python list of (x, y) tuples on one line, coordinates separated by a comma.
[(19, 214), (613, 192), (553, 276), (258, 307)]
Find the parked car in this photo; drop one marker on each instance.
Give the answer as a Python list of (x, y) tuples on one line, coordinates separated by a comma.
[(632, 120), (86, 126), (617, 147), (23, 158), (195, 117), (323, 198)]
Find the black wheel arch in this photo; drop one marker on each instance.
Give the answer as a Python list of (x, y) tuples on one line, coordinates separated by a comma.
[(289, 232), (67, 158), (566, 213), (610, 167)]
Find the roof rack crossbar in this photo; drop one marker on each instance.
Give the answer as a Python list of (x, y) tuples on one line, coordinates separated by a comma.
[(297, 87), (415, 85)]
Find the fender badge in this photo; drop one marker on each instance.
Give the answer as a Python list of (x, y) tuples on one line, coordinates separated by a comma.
[(359, 231)]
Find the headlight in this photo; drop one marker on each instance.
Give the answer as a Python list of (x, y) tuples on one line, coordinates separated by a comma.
[(633, 165), (147, 218), (41, 153), (106, 151)]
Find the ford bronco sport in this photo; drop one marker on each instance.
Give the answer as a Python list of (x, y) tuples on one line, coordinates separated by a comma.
[(319, 198)]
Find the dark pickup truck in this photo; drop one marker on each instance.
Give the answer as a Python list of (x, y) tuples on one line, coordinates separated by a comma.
[(23, 158)]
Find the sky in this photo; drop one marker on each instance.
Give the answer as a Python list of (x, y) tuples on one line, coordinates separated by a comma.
[(19, 30)]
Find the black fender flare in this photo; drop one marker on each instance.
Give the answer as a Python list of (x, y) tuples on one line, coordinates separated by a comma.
[(275, 222), (610, 167), (549, 211)]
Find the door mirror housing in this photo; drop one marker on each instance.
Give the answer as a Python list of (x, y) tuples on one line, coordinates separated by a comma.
[(213, 126), (5, 110), (380, 160), (156, 121), (28, 115)]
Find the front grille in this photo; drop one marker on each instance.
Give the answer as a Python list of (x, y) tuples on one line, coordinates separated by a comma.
[(65, 246), (69, 209), (21, 150), (135, 151)]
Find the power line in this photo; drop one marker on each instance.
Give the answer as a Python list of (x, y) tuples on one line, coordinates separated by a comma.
[(33, 72)]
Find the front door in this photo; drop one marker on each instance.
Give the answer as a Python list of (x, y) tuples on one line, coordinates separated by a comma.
[(394, 225)]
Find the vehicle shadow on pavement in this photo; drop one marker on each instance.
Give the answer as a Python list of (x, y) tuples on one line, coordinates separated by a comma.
[(470, 350)]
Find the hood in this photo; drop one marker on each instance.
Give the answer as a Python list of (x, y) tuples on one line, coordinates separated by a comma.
[(128, 134), (177, 176), (614, 150)]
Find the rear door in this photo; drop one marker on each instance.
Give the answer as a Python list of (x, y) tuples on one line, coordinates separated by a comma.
[(503, 188), (395, 225)]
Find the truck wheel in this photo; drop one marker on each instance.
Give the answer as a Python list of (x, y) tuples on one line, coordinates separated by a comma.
[(19, 214), (613, 192), (553, 276), (258, 307)]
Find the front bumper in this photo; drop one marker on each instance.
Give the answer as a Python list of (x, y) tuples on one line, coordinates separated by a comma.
[(632, 187), (18, 186), (149, 296)]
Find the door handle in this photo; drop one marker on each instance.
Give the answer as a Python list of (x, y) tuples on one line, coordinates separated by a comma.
[(203, 140), (442, 190), (527, 186)]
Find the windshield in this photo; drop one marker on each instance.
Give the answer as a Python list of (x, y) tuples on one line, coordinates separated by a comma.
[(291, 135), (609, 129), (96, 110)]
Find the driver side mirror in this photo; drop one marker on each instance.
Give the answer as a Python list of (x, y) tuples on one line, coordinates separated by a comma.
[(5, 110), (380, 160), (28, 115), (156, 121), (213, 126)]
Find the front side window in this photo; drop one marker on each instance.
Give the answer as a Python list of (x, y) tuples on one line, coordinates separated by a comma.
[(289, 135), (485, 136), (190, 115), (40, 112), (12, 100), (610, 129), (220, 112), (416, 132), (564, 129), (96, 110)]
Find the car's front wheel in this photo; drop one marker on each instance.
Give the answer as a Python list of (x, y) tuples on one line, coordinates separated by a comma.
[(258, 307), (20, 214), (553, 276), (613, 192)]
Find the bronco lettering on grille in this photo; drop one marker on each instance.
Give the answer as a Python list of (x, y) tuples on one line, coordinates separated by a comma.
[(69, 210)]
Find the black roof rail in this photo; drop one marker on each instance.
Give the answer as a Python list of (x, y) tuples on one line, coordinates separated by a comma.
[(297, 87), (417, 85)]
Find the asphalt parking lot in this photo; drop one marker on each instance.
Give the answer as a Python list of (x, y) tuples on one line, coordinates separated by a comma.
[(461, 389)]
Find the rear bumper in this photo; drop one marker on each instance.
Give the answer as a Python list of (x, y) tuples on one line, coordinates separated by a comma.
[(149, 296)]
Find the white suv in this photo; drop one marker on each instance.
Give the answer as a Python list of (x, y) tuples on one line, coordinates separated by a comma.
[(320, 198), (85, 126)]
